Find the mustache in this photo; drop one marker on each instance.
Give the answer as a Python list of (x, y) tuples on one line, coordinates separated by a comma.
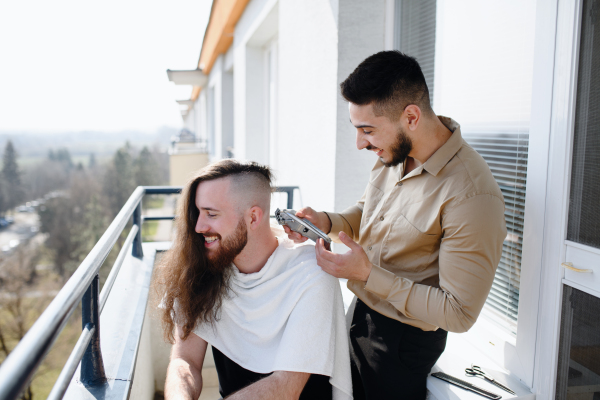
[(203, 235), (369, 147)]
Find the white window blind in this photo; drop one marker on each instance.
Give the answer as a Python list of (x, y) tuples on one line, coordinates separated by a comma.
[(414, 34), (478, 60)]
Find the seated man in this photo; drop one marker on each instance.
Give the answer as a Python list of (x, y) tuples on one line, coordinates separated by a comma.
[(274, 318)]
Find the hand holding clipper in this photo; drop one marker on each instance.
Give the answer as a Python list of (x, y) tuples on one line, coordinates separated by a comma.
[(301, 226)]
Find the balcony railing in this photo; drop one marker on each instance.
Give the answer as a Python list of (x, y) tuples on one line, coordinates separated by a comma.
[(121, 349)]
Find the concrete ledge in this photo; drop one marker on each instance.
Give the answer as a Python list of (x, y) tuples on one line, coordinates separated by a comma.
[(460, 355)]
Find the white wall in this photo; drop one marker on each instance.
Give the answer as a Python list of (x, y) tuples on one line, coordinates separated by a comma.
[(307, 99), (189, 119), (255, 105), (315, 142), (214, 88), (255, 30), (200, 110), (226, 133), (361, 34)]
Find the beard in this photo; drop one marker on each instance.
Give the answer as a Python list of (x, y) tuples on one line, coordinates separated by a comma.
[(229, 248), (400, 149)]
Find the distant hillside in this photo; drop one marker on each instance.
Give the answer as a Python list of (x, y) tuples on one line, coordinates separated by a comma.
[(31, 146)]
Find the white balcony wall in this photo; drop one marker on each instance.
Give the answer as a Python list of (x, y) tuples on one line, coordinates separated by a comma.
[(361, 32), (307, 99), (215, 89), (255, 31), (189, 120), (200, 111), (256, 128), (226, 116), (315, 144)]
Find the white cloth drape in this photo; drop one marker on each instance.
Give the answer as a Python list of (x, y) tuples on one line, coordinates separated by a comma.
[(289, 316)]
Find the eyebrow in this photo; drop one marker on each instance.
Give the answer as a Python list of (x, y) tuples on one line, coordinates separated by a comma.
[(208, 209), (362, 126)]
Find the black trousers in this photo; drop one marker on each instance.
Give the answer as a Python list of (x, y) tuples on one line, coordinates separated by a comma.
[(233, 377), (391, 360)]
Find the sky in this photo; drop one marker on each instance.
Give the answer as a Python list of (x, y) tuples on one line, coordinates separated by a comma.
[(73, 65)]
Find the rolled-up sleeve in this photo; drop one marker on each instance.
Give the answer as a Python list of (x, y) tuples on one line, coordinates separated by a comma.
[(473, 232)]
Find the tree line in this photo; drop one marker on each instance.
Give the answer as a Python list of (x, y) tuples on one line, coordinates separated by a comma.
[(77, 202)]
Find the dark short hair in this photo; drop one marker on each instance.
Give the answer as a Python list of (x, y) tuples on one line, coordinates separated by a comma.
[(390, 80)]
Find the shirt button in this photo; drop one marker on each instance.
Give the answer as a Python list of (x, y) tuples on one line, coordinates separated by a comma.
[(399, 183), (370, 248), (381, 218)]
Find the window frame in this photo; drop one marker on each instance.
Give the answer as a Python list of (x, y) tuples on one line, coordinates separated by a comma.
[(556, 246)]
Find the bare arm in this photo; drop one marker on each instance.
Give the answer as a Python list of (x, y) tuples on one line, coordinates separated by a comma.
[(280, 385), (184, 375)]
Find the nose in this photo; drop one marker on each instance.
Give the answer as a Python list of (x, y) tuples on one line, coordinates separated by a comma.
[(201, 226), (361, 141)]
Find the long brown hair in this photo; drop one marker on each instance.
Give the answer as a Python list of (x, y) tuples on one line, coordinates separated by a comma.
[(189, 288)]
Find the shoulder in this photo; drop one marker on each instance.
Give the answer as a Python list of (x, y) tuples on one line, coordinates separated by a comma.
[(302, 264), (470, 174)]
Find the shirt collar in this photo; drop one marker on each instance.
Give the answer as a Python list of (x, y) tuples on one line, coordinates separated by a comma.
[(444, 154)]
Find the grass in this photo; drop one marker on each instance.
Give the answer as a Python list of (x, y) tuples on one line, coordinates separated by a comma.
[(149, 229), (29, 310), (154, 201), (57, 357)]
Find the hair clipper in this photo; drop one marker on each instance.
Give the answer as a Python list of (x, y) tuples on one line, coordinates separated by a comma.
[(300, 225)]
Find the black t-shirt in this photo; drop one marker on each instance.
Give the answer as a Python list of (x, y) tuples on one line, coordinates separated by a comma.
[(232, 378)]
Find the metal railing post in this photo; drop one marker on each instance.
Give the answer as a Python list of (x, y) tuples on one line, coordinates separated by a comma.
[(290, 199), (92, 366), (136, 249)]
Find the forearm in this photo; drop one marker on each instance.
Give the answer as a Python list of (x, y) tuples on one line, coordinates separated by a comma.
[(429, 304), (473, 233), (183, 381), (281, 385), (464, 285)]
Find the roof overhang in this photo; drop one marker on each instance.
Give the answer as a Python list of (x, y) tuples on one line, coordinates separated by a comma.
[(194, 77), (224, 16), (188, 103)]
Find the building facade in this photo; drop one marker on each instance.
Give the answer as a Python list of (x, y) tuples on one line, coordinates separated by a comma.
[(520, 76)]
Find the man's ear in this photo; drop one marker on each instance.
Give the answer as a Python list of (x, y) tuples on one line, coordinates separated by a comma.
[(255, 215), (412, 116)]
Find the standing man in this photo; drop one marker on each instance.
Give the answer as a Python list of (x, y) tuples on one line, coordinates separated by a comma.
[(424, 239)]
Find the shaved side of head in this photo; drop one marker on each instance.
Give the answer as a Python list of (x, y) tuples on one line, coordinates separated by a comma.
[(249, 189)]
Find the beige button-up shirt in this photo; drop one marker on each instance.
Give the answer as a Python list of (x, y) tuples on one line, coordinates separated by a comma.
[(434, 237)]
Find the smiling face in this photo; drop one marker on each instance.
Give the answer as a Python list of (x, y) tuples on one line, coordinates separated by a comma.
[(378, 133), (220, 222)]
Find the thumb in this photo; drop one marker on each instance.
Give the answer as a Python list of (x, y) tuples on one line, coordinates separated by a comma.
[(305, 212), (347, 240)]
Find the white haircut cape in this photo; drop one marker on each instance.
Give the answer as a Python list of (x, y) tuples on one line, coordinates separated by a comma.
[(289, 316)]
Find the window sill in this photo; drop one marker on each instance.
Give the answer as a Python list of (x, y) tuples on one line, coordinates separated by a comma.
[(459, 354)]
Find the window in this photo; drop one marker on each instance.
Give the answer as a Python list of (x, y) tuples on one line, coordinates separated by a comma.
[(477, 58), (578, 369), (584, 205)]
